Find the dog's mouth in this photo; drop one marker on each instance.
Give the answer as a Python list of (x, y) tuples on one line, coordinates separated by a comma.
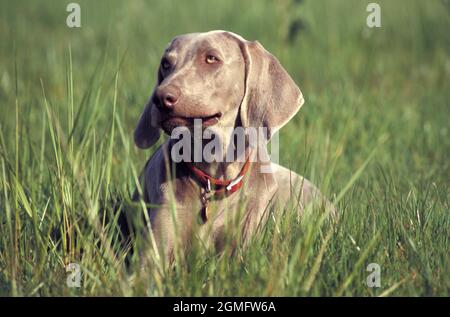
[(172, 122)]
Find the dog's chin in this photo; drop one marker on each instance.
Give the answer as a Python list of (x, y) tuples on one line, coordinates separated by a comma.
[(169, 124)]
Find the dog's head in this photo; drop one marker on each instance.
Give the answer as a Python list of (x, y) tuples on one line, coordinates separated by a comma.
[(224, 80)]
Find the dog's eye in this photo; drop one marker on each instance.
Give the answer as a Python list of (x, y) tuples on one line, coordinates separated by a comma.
[(211, 59), (165, 64)]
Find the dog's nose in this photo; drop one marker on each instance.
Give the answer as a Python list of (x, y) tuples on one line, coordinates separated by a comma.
[(167, 98)]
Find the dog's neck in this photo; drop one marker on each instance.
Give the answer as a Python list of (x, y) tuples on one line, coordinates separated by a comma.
[(226, 164), (223, 170)]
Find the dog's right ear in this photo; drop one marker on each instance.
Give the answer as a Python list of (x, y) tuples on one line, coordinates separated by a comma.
[(145, 135)]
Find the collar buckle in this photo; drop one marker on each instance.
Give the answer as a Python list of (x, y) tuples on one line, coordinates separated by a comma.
[(208, 185)]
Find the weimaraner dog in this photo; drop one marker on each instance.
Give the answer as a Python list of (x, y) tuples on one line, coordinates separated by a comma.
[(226, 81)]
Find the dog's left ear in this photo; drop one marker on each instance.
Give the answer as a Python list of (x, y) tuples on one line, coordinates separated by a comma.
[(145, 135), (271, 96)]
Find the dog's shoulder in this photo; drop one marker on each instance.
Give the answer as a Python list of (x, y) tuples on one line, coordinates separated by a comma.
[(153, 168), (294, 187)]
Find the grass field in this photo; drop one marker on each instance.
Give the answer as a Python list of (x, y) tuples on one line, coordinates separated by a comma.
[(373, 135)]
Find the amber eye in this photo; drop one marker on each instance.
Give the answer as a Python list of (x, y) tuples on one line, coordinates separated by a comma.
[(165, 64), (211, 59)]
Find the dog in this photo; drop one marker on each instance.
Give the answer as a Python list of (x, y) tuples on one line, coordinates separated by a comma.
[(223, 80)]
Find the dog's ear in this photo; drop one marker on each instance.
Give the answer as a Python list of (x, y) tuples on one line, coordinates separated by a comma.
[(145, 135), (271, 96)]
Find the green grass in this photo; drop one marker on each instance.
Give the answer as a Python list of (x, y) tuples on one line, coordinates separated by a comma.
[(373, 134)]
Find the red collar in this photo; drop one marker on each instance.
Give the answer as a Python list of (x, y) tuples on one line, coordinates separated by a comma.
[(222, 188)]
